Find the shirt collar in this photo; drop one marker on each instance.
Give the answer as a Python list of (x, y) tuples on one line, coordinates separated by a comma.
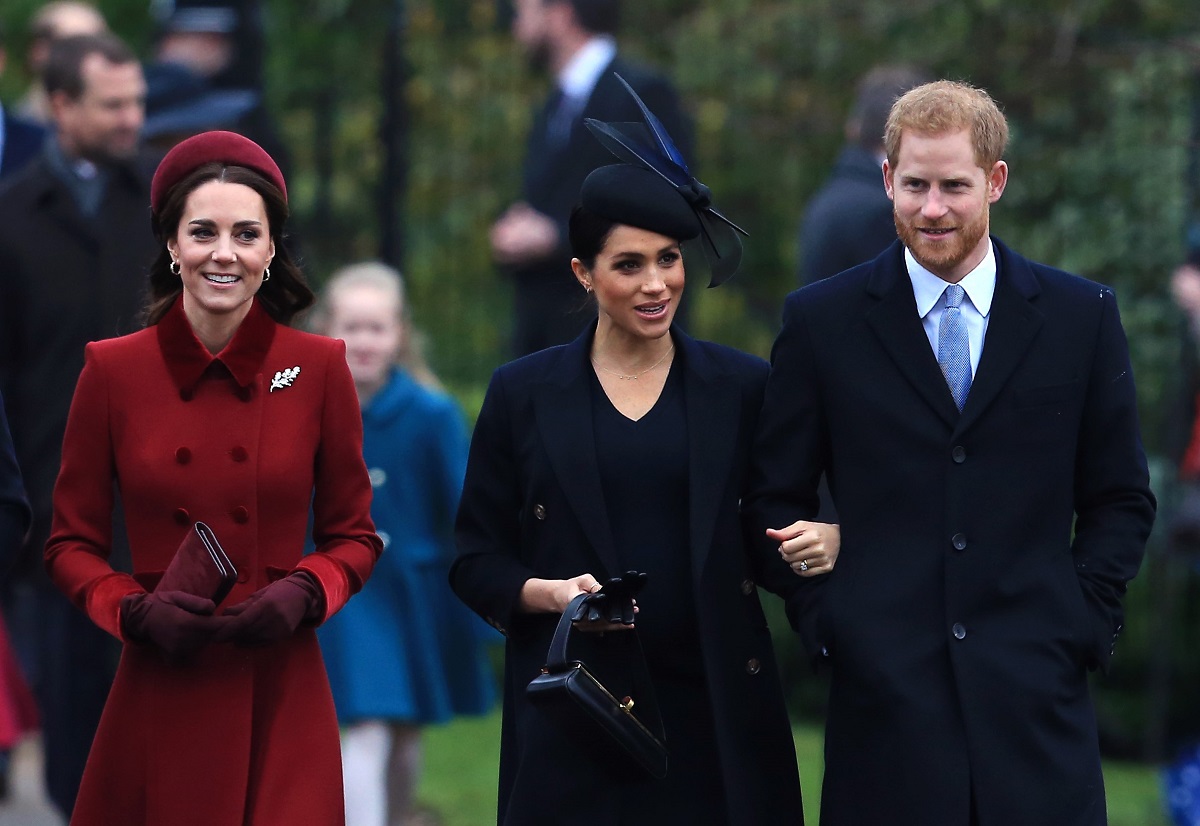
[(979, 283), (579, 76), (188, 359)]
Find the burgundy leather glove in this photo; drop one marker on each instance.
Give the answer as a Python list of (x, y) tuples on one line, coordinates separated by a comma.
[(273, 612), (175, 622)]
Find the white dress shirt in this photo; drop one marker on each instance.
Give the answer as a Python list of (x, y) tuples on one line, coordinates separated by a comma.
[(578, 78), (979, 285)]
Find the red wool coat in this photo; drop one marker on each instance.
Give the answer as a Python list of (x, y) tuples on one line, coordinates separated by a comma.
[(237, 736)]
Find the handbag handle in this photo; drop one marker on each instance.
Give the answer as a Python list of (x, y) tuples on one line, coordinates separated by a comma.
[(556, 661)]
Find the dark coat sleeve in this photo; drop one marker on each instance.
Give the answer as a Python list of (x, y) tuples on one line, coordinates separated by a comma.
[(14, 507), (488, 573), (1113, 514), (785, 469)]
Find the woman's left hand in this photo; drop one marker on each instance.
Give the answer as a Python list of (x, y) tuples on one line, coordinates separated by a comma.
[(810, 548)]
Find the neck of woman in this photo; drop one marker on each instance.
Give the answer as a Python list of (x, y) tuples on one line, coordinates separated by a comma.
[(214, 330), (619, 350)]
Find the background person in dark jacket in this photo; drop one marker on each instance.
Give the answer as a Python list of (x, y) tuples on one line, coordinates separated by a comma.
[(75, 244), (849, 220)]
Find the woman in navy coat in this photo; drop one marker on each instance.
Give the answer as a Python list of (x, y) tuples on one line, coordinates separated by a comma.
[(626, 450)]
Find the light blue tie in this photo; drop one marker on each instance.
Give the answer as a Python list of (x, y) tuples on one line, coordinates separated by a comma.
[(954, 349)]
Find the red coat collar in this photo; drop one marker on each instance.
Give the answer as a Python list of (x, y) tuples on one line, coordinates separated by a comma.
[(188, 360)]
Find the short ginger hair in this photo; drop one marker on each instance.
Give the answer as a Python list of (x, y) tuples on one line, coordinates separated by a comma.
[(949, 106)]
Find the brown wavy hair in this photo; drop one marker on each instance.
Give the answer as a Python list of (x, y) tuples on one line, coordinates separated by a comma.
[(283, 296)]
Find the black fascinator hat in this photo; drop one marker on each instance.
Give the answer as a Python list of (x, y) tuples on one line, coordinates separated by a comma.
[(670, 190)]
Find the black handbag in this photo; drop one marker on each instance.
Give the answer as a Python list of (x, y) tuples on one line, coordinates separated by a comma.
[(603, 726)]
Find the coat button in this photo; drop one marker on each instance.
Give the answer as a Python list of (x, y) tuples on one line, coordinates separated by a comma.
[(753, 666), (243, 573), (539, 511), (185, 394), (182, 517), (183, 455), (747, 587), (960, 631), (245, 393), (241, 515), (959, 454), (959, 540), (239, 454)]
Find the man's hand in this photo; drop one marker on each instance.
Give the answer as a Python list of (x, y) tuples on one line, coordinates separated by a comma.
[(523, 235)]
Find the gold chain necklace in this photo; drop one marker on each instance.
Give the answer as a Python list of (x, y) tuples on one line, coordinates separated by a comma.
[(635, 376)]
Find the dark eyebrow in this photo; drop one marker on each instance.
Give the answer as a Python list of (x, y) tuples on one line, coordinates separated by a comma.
[(208, 222)]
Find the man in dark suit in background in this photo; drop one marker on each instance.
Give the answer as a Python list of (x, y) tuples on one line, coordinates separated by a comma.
[(20, 139), (976, 414), (573, 40), (75, 245), (849, 220)]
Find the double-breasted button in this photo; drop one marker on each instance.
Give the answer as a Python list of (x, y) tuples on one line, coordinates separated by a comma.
[(245, 393), (182, 517), (958, 454), (747, 587), (183, 455), (753, 666), (959, 541), (239, 454), (186, 394), (539, 511), (243, 573), (240, 515), (959, 630)]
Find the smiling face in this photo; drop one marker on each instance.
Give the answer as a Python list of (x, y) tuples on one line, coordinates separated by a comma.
[(638, 280), (367, 318), (222, 245), (941, 200)]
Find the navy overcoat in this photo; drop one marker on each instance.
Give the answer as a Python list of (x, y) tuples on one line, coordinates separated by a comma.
[(984, 553)]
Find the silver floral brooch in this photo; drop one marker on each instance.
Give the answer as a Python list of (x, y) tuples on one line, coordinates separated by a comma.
[(284, 378)]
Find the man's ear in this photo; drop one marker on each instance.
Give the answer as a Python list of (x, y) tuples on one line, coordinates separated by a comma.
[(997, 180)]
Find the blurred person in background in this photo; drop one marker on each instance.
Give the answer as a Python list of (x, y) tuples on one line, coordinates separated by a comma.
[(217, 412), (51, 22), (18, 710), (574, 41), (849, 220), (181, 103), (20, 139), (222, 42), (405, 652), (75, 245)]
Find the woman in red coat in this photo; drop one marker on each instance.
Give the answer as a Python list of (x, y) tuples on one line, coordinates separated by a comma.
[(216, 412)]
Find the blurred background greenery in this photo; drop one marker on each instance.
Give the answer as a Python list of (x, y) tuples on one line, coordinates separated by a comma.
[(1101, 96)]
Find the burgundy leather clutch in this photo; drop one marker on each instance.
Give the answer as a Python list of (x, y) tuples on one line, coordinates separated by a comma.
[(200, 566)]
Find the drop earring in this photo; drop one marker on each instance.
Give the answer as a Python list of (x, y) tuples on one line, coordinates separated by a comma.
[(175, 268), (266, 274)]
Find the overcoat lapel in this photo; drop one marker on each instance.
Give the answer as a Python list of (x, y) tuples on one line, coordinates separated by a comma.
[(1013, 325), (562, 406), (713, 401), (896, 323)]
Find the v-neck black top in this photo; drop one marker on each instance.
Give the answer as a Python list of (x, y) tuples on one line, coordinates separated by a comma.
[(644, 471), (644, 475)]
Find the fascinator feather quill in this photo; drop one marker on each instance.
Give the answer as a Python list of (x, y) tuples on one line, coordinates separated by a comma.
[(650, 147)]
